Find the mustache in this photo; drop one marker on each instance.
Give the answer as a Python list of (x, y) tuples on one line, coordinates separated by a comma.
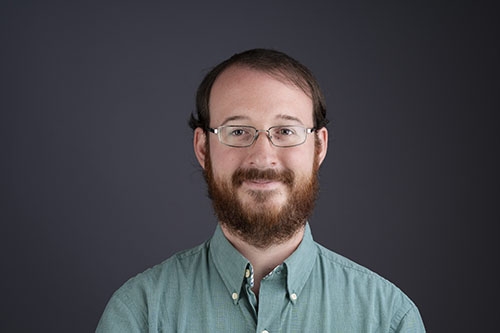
[(285, 176)]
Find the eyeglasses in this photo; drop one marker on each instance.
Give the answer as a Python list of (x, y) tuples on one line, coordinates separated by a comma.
[(245, 136)]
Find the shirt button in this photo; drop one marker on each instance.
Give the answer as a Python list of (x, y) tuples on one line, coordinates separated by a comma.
[(247, 273), (293, 296), (234, 296), (265, 331)]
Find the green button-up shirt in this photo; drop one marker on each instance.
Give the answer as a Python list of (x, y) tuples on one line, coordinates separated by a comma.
[(208, 289)]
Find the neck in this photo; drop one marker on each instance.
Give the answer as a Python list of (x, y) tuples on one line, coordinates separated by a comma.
[(264, 260)]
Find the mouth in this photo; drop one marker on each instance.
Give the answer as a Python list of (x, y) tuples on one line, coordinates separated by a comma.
[(261, 184)]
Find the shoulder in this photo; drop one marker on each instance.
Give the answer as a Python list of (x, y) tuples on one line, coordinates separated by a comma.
[(177, 266), (365, 288), (338, 262), (138, 302), (350, 271), (147, 286)]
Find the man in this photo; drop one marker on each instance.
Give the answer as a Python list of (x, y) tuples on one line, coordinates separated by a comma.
[(260, 137)]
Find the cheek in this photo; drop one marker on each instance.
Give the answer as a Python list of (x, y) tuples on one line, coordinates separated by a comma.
[(301, 161), (223, 162)]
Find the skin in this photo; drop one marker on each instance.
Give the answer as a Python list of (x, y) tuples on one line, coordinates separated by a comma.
[(244, 96)]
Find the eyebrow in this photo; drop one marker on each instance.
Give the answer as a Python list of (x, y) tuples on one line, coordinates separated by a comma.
[(280, 116), (288, 117), (232, 118)]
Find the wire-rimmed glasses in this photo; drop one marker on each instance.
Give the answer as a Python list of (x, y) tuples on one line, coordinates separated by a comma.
[(245, 136)]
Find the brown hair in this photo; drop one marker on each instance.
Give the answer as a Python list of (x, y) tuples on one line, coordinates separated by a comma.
[(275, 63)]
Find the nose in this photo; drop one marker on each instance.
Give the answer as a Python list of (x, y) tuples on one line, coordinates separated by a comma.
[(262, 154), (264, 133)]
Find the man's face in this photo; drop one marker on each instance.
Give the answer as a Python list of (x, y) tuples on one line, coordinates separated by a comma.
[(262, 193)]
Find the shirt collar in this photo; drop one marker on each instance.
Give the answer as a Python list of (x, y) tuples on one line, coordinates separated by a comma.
[(231, 264), (300, 263)]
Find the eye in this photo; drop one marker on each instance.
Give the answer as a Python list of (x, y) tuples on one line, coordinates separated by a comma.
[(285, 131), (238, 132)]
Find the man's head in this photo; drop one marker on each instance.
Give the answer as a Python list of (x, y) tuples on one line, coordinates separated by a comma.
[(274, 63), (263, 183)]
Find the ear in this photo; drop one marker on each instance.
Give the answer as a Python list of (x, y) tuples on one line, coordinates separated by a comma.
[(322, 135), (199, 144)]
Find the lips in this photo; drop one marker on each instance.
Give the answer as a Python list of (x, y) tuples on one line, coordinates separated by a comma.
[(261, 181), (262, 184)]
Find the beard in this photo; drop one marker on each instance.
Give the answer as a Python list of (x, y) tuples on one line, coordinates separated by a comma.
[(259, 222)]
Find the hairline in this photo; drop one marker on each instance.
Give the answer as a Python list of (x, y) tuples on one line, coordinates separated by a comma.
[(287, 70)]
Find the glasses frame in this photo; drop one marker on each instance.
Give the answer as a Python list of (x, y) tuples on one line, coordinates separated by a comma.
[(217, 131)]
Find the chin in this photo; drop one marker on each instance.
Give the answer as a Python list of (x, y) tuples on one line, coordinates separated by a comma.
[(263, 198), (257, 208)]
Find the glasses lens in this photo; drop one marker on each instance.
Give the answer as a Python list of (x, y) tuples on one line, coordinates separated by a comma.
[(237, 136), (286, 136)]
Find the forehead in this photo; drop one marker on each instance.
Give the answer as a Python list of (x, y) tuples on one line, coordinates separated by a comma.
[(253, 95)]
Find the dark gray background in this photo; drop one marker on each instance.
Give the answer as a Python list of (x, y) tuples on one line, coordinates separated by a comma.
[(99, 181)]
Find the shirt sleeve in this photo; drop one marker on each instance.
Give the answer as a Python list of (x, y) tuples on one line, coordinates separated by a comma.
[(411, 322), (121, 316)]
